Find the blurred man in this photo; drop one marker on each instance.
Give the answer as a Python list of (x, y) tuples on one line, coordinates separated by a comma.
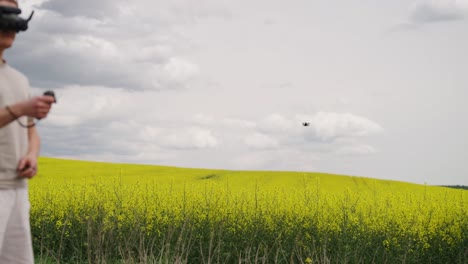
[(19, 144)]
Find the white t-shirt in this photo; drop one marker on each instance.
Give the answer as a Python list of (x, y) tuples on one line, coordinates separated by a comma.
[(14, 87)]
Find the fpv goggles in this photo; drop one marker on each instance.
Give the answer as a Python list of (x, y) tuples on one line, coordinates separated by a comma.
[(11, 21)]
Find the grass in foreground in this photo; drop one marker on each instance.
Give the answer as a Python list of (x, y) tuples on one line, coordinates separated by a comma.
[(85, 212)]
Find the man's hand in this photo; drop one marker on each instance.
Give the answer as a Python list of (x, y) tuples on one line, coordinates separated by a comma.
[(37, 107), (27, 166)]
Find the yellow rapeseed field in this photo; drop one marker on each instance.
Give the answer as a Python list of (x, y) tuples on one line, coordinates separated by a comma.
[(89, 212)]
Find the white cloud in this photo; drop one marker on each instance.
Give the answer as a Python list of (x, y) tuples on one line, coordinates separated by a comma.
[(179, 70), (329, 133), (95, 119), (329, 126), (261, 141), (28, 4), (117, 122), (324, 126), (357, 149), (277, 123), (203, 119), (283, 159), (93, 46), (79, 105), (193, 138), (239, 123)]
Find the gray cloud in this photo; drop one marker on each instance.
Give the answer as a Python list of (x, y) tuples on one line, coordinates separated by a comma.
[(424, 12), (110, 43), (430, 11), (94, 9), (173, 11), (90, 53)]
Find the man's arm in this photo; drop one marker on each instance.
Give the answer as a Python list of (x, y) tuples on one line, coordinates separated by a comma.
[(36, 107), (27, 166), (34, 142), (6, 117)]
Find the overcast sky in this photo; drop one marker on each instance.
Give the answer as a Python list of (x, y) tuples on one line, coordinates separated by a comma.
[(227, 84)]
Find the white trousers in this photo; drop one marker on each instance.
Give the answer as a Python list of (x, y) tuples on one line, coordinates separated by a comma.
[(15, 229)]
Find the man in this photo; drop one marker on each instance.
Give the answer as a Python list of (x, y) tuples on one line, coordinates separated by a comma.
[(19, 150)]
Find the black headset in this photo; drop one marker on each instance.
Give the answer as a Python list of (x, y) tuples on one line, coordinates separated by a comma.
[(11, 21)]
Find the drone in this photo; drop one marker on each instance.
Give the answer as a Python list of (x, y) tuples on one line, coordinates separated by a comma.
[(306, 124)]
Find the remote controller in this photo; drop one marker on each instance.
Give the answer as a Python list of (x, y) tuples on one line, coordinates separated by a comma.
[(51, 93)]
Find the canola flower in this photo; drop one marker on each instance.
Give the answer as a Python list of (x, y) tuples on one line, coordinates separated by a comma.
[(104, 213)]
